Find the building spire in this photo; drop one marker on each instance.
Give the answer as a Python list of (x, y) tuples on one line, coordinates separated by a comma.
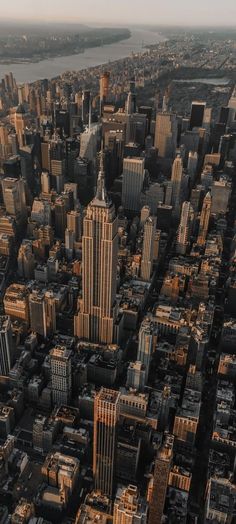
[(101, 193)]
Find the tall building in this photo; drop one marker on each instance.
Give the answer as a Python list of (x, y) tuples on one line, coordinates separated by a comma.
[(197, 114), (106, 416), (61, 375), (192, 164), (160, 482), (146, 344), (129, 508), (176, 179), (60, 217), (95, 320), (74, 223), (14, 196), (86, 104), (88, 142), (220, 194), (26, 260), (58, 169), (166, 134), (130, 105), (147, 251), (132, 184), (136, 376), (185, 228), (104, 88), (6, 345), (45, 182), (204, 220), (16, 302), (20, 125), (42, 313), (41, 212), (145, 213)]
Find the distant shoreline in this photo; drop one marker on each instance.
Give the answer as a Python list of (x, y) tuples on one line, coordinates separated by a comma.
[(30, 72), (51, 55)]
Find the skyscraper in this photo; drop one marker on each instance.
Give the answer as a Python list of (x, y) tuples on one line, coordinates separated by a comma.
[(74, 223), (60, 217), (42, 312), (204, 220), (20, 125), (146, 343), (61, 375), (129, 508), (160, 482), (6, 345), (104, 88), (86, 102), (130, 105), (185, 228), (45, 182), (132, 185), (26, 260), (106, 414), (14, 196), (166, 134), (95, 319), (197, 114), (176, 179), (147, 251)]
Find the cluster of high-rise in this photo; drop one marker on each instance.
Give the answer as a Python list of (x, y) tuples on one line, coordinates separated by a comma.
[(117, 325)]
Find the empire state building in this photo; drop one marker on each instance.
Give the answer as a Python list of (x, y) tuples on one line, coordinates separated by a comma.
[(97, 309)]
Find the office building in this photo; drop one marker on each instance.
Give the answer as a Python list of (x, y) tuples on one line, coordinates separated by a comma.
[(185, 228), (61, 375), (129, 508), (220, 500), (16, 302), (26, 260), (187, 418), (220, 195), (60, 217), (176, 180), (204, 220), (13, 190), (106, 416), (197, 114), (86, 105), (192, 164), (166, 134), (42, 313), (148, 246), (132, 184), (41, 212), (147, 339), (104, 88), (130, 105), (88, 143), (136, 376), (45, 182), (20, 125), (162, 469), (6, 345), (97, 309), (74, 223)]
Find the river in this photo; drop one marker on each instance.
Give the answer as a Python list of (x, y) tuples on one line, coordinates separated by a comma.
[(30, 72)]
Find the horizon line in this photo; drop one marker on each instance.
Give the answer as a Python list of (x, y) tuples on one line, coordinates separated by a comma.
[(38, 21)]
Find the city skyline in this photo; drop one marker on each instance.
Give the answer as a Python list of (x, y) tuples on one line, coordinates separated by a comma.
[(103, 12), (117, 272)]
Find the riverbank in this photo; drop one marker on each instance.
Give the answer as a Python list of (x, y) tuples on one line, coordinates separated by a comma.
[(92, 57), (121, 36)]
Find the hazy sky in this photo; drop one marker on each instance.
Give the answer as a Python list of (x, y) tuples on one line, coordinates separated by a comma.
[(194, 12)]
